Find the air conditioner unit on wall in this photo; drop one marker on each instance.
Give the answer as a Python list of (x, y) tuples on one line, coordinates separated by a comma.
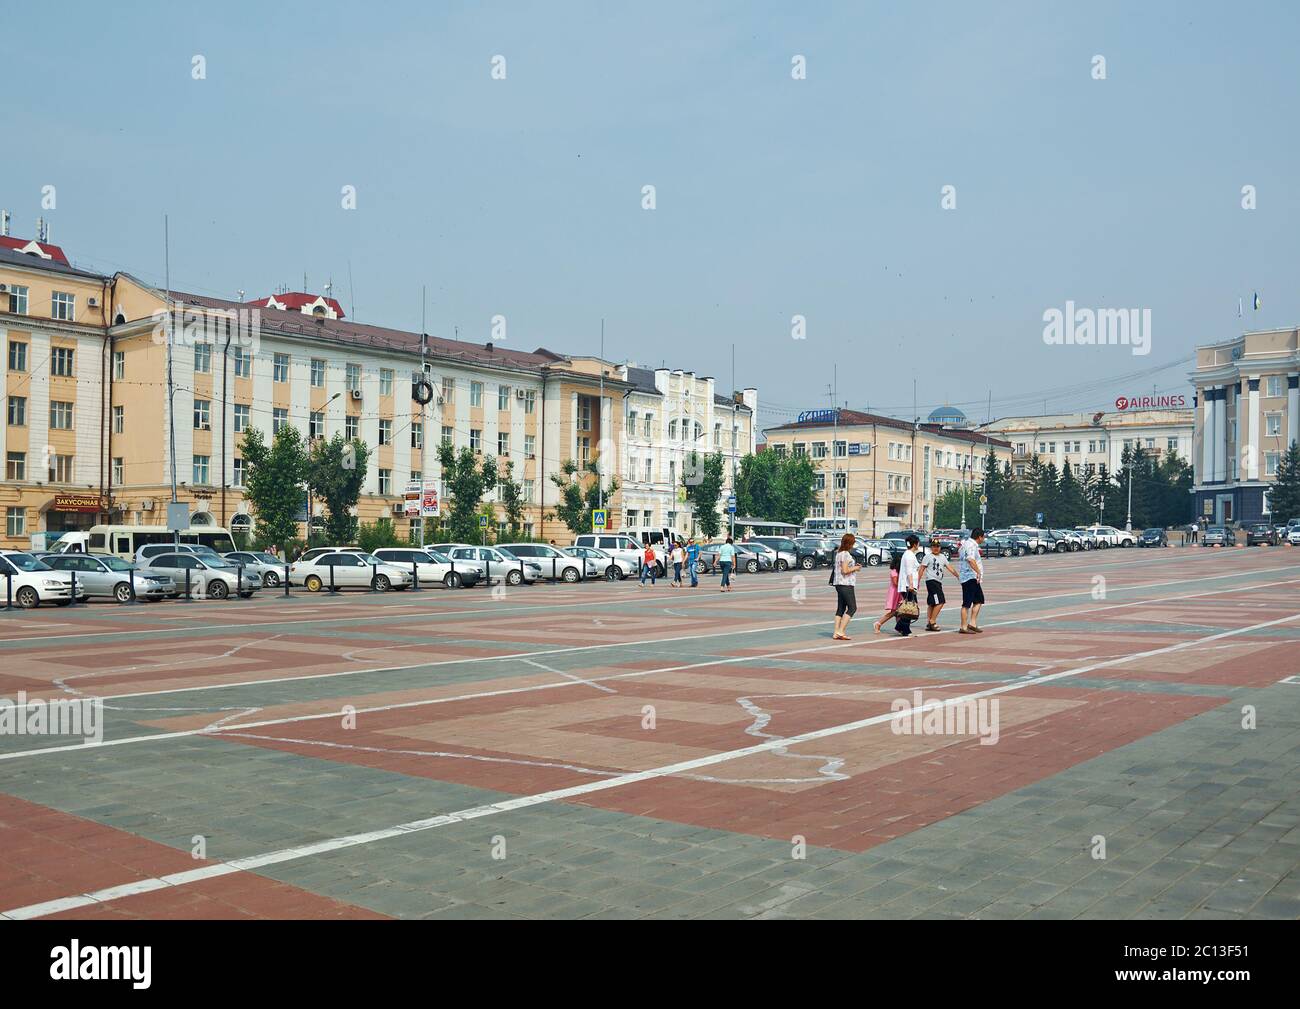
[(4, 288), (356, 394), (520, 394), (147, 505)]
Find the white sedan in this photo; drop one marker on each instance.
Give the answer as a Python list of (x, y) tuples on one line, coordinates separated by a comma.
[(347, 569), (602, 562), (431, 567)]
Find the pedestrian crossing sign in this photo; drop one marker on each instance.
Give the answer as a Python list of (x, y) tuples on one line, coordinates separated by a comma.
[(599, 519)]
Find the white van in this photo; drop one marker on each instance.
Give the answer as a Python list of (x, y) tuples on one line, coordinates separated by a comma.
[(659, 538), (620, 546), (126, 541)]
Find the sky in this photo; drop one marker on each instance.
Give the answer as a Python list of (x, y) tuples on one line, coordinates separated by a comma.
[(774, 197)]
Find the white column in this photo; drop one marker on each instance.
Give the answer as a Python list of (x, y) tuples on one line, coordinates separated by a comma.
[(1292, 409), (1252, 440), (1207, 434), (87, 412), (1220, 434), (606, 446)]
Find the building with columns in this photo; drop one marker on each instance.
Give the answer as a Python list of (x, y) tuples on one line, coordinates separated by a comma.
[(1247, 414), (1086, 442)]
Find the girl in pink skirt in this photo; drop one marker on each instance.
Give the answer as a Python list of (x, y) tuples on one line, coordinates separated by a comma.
[(892, 596)]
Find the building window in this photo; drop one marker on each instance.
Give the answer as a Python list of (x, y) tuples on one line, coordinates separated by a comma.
[(503, 397), (385, 381), (385, 432), (530, 488), (819, 450), (17, 411), (475, 439), (280, 368), (672, 429), (447, 434), (417, 437), (351, 427), (61, 361), (841, 449), (119, 419), (385, 481), (1273, 385), (352, 377), (1273, 425), (62, 306), (449, 390), (15, 522), (316, 424), (503, 444), (819, 481), (118, 470), (202, 415), (1271, 462), (584, 417), (649, 474), (60, 415), (632, 515), (649, 422), (476, 394), (16, 466), (17, 355), (17, 299), (584, 452), (200, 470), (239, 473), (798, 449), (530, 401), (202, 358), (818, 510), (241, 417), (530, 446), (779, 449), (243, 362), (119, 365), (60, 469), (317, 373), (279, 418)]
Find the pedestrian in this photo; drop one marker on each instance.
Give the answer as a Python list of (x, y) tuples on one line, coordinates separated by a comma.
[(844, 577), (935, 563), (891, 595), (679, 558), (909, 581), (692, 561), (648, 565), (1195, 529), (970, 570), (727, 560)]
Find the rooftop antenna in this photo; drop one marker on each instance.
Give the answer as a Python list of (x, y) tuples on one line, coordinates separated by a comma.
[(352, 294), (40, 229), (240, 292), (4, 222)]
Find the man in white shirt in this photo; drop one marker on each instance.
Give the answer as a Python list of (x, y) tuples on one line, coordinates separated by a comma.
[(970, 569)]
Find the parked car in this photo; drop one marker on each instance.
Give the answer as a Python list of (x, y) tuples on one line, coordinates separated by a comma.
[(871, 553), (32, 582), (622, 547), (267, 567), (554, 565), (1072, 540), (1153, 537), (782, 560), (786, 549), (1293, 535), (1039, 543), (746, 559), (818, 549), (1260, 534), (443, 552), (1219, 536), (1021, 543), (602, 562), (498, 564), (209, 577), (429, 567), (151, 550), (998, 546), (107, 576), (348, 569)]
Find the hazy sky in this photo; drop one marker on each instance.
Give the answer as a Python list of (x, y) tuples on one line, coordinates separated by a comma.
[(775, 197)]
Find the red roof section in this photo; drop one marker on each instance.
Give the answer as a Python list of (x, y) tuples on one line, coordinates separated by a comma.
[(18, 244), (294, 301)]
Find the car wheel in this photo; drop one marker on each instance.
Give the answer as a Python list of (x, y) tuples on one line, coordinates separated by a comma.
[(380, 583), (612, 573), (1126, 544), (660, 570), (271, 580), (217, 589), (873, 560), (514, 577), (781, 565), (314, 584), (752, 567), (570, 575), (451, 580), (122, 592), (27, 597), (701, 568), (1040, 549), (808, 563)]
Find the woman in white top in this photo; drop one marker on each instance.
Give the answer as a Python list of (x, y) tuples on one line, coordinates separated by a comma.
[(845, 580)]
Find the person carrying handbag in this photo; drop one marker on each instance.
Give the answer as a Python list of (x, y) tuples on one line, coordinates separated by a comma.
[(909, 580)]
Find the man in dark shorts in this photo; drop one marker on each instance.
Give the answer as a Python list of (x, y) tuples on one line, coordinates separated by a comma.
[(970, 569), (934, 564)]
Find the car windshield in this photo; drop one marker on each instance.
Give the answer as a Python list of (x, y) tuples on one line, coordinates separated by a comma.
[(116, 563), (1217, 530), (268, 559), (440, 558), (506, 554), (26, 562), (217, 562), (366, 558)]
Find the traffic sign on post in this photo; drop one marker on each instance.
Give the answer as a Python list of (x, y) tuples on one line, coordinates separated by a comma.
[(599, 520), (731, 503), (1038, 517), (482, 521)]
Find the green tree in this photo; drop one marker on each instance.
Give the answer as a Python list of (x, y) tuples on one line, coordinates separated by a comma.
[(467, 481), (580, 494), (775, 487), (512, 498), (1072, 505), (1284, 501), (274, 484), (947, 509), (380, 533), (336, 472), (702, 476)]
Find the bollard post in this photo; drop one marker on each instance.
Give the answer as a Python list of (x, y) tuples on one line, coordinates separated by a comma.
[(521, 572), (286, 579), (239, 581), (333, 587), (374, 573), (130, 577), (415, 577), (9, 590), (188, 597), (72, 600), (521, 569)]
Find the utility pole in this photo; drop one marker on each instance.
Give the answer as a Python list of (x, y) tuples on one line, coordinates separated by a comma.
[(171, 336), (832, 389), (733, 435), (600, 413)]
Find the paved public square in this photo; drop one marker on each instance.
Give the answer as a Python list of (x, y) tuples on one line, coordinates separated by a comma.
[(604, 750)]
